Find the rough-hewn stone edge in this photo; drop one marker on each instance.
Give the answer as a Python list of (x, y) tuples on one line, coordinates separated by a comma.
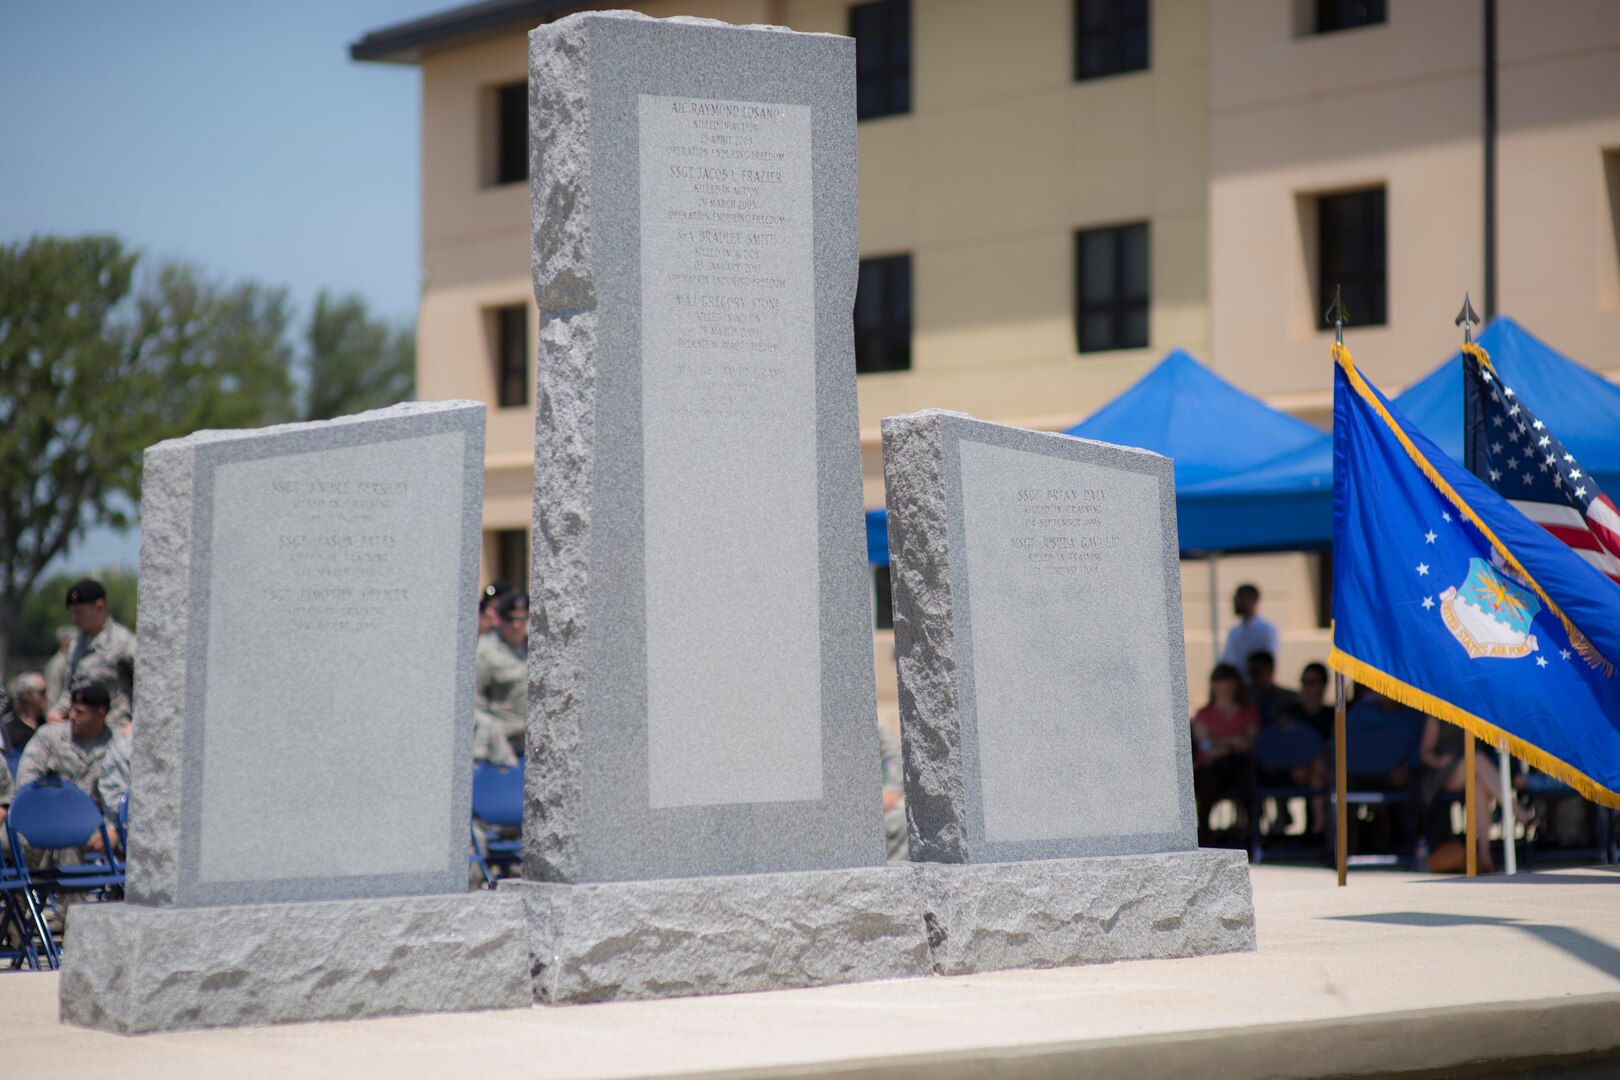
[(924, 635), (1099, 909), (160, 673), (560, 165), (565, 431), (133, 969), (680, 937)]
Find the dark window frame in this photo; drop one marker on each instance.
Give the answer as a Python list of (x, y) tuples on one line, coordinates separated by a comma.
[(882, 33), (1112, 37), (882, 598), (1333, 16), (883, 315), (509, 133), (1122, 306), (512, 557), (510, 358), (1352, 254)]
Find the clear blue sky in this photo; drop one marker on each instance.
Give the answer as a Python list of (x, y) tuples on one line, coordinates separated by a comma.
[(236, 135)]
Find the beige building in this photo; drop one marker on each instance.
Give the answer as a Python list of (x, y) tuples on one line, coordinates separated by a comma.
[(1055, 193)]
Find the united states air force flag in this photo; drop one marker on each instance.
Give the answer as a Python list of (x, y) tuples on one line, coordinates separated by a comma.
[(1449, 600)]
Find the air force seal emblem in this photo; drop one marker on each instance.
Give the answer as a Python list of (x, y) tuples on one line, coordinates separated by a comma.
[(1489, 615)]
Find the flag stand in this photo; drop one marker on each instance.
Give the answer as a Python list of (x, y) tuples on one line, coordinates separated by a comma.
[(1341, 810)]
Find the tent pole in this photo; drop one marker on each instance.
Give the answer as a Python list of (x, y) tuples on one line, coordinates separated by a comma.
[(1341, 811), (1214, 614), (1510, 852), (1470, 828)]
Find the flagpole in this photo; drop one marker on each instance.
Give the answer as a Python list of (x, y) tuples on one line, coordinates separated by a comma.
[(1341, 812), (1467, 319), (1470, 829), (1510, 852)]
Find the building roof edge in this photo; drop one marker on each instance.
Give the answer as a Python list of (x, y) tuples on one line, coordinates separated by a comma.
[(407, 42)]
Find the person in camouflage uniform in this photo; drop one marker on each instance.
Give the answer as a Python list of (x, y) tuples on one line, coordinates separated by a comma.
[(56, 668), (896, 841), (104, 653), (502, 693), (80, 752)]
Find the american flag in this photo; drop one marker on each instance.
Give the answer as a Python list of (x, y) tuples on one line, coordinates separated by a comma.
[(1510, 448)]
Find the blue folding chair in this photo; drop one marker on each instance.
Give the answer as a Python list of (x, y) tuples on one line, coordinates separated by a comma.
[(1376, 747), (1280, 749), (497, 802), (13, 758), (20, 923), (54, 815)]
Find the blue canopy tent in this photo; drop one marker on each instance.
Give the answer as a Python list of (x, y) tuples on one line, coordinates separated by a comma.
[(1288, 503), (1181, 409)]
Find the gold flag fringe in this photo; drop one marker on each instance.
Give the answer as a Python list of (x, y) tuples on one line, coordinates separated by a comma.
[(1411, 696)]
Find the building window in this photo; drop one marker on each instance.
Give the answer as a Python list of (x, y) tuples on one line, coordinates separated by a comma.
[(510, 353), (1111, 288), (510, 136), (1351, 254), (1334, 15), (882, 598), (1110, 37), (883, 315), (1324, 590), (882, 33), (512, 557)]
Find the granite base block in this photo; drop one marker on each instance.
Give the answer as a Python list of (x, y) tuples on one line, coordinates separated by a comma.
[(1094, 910), (674, 937), (131, 969)]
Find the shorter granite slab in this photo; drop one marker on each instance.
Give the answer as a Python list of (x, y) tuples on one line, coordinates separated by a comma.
[(131, 969), (674, 937), (1097, 910), (1038, 643)]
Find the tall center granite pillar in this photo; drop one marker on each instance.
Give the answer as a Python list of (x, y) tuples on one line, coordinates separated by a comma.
[(703, 784)]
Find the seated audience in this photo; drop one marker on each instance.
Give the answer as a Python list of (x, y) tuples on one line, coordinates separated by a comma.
[(1223, 732), (77, 752), (1382, 742), (1310, 706), (1309, 709), (1268, 697), (1442, 754), (26, 712)]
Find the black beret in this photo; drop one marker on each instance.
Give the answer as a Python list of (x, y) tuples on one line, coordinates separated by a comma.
[(505, 605), (85, 592)]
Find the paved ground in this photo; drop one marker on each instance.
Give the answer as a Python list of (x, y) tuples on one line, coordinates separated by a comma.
[(1395, 973)]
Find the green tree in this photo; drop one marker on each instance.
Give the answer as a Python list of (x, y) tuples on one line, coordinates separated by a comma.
[(353, 362), (96, 364)]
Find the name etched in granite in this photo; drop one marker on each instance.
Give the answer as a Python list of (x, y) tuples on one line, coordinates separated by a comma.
[(1068, 622), (332, 583), (729, 445)]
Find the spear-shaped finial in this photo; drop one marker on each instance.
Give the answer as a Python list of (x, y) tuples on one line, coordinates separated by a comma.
[(1338, 316), (1467, 318)]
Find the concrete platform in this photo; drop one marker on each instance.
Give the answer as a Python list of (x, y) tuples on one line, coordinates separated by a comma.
[(1393, 975)]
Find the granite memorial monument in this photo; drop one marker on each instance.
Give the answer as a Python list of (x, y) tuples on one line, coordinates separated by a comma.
[(301, 782), (1038, 640), (703, 803)]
